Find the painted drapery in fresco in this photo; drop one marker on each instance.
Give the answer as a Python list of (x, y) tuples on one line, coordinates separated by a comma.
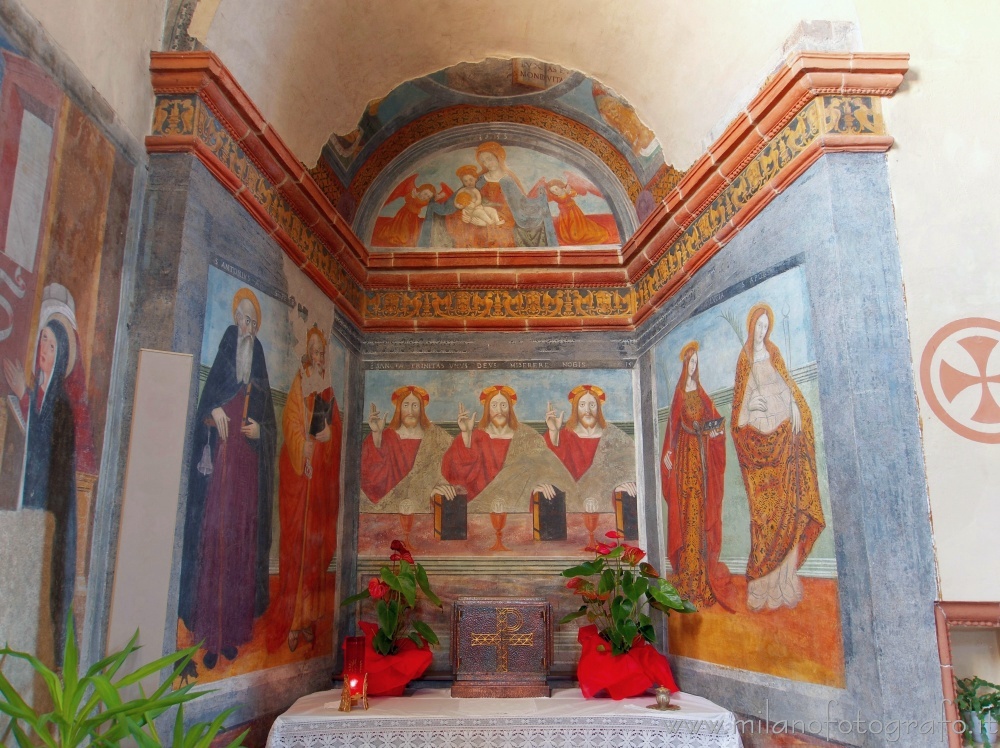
[(743, 475), (65, 191), (494, 471), (264, 478)]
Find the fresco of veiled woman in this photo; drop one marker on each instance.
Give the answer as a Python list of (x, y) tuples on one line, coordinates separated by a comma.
[(776, 448), (692, 472), (49, 474)]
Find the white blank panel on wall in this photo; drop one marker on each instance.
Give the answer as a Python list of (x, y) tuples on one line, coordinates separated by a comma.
[(149, 505)]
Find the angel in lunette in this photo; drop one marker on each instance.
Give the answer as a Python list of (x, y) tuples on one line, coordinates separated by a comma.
[(403, 229), (573, 226)]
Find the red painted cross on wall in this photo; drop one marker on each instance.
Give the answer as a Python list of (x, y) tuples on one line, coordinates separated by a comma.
[(958, 370)]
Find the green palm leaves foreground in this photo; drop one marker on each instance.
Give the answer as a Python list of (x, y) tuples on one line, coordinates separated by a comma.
[(93, 709)]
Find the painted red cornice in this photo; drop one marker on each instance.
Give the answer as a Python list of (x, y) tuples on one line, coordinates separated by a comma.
[(204, 75), (637, 269), (803, 78)]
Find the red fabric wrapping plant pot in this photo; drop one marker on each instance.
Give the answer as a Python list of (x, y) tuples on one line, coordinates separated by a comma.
[(389, 674), (622, 675)]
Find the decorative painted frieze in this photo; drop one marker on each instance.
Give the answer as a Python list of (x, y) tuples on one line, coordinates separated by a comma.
[(818, 103)]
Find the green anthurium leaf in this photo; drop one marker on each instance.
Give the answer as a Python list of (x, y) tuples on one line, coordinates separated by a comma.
[(382, 643), (364, 595), (426, 631), (585, 569), (574, 615), (607, 583), (639, 588), (627, 584), (616, 552), (648, 632), (386, 619), (621, 609), (408, 588), (390, 578), (628, 631), (667, 599), (425, 586)]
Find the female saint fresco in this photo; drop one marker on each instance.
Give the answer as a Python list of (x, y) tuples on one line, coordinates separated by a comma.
[(692, 479), (776, 448), (49, 481)]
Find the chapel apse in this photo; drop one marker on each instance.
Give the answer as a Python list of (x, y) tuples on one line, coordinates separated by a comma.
[(743, 476), (257, 581), (563, 109), (505, 508)]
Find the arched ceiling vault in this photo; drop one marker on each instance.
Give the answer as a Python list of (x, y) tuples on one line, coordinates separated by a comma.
[(311, 66), (496, 177), (577, 167)]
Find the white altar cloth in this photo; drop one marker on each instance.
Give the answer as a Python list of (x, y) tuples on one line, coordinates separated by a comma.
[(430, 718)]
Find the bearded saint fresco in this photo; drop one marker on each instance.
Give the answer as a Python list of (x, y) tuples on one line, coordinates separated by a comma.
[(227, 528)]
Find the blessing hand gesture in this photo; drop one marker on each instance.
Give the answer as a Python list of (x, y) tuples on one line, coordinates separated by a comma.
[(552, 421), (465, 420), (376, 420)]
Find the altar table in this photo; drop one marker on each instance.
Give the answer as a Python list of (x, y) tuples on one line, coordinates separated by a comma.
[(430, 718)]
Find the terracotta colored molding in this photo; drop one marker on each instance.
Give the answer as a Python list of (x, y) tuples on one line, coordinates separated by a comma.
[(816, 104), (803, 78), (203, 74)]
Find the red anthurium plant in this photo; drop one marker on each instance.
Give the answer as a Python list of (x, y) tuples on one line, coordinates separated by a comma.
[(614, 587), (394, 591)]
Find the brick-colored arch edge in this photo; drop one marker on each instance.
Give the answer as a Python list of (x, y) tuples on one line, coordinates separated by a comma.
[(946, 615), (815, 104)]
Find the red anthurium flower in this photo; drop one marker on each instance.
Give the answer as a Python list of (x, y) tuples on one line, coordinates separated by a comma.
[(377, 589), (397, 545), (395, 557), (405, 556), (592, 596), (632, 555), (614, 534), (574, 583), (649, 570), (603, 549)]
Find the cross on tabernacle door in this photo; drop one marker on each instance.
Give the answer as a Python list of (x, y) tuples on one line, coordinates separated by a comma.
[(509, 620)]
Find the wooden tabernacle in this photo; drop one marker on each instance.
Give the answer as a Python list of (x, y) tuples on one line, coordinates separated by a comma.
[(501, 647)]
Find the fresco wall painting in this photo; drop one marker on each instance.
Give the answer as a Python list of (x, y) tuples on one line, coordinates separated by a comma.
[(743, 475), (264, 478), (495, 477), (493, 195), (65, 191)]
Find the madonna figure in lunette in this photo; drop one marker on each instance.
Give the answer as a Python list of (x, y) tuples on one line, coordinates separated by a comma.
[(776, 448)]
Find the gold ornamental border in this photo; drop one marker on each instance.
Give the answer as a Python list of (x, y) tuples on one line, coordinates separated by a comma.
[(818, 103)]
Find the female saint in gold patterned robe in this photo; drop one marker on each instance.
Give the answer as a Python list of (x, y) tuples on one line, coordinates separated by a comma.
[(776, 448), (692, 472)]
